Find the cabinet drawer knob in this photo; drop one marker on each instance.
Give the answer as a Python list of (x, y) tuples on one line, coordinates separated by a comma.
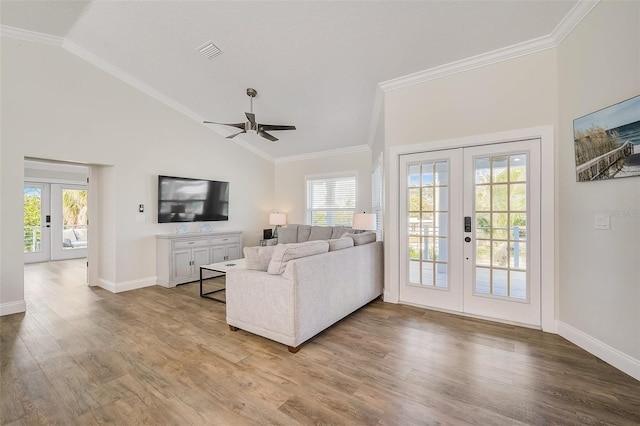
[(191, 242)]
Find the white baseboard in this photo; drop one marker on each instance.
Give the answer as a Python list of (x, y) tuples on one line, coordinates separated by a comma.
[(126, 285), (608, 354), (13, 308)]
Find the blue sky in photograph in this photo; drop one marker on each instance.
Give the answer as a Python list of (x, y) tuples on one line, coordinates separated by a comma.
[(609, 118)]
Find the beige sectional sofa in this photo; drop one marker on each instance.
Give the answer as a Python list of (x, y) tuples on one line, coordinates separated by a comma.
[(291, 292), (300, 233)]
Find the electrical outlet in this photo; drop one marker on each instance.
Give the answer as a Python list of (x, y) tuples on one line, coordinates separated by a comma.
[(603, 221)]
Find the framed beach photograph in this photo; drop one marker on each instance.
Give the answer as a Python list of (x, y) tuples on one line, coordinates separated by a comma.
[(607, 142)]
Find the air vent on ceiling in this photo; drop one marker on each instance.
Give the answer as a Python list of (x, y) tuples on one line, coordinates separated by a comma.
[(209, 50)]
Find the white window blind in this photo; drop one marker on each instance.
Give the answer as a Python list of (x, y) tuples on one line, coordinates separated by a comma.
[(377, 196), (331, 200)]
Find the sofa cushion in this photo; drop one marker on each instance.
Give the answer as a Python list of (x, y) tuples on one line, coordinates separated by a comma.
[(320, 233), (283, 253), (288, 234), (337, 231), (303, 233), (340, 243), (363, 238), (258, 257)]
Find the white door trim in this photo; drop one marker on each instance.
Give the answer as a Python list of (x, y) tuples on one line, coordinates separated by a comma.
[(547, 205)]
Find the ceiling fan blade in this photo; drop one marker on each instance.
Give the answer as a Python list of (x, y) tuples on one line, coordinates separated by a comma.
[(251, 117), (267, 127), (236, 134), (238, 125), (267, 136)]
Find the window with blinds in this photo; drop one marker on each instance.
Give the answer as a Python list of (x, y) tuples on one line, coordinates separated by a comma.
[(377, 196), (331, 200)]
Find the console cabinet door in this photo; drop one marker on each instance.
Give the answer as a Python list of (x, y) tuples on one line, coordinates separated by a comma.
[(182, 268), (233, 251), (218, 254), (199, 257)]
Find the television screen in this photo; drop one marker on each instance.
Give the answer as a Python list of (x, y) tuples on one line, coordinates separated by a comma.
[(192, 200)]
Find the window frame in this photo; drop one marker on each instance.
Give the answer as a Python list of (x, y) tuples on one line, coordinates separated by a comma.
[(377, 195), (327, 176)]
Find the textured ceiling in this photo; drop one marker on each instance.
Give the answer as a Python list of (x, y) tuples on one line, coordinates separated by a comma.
[(315, 64)]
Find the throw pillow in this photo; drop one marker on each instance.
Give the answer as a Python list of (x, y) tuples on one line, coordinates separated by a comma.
[(363, 238), (283, 253), (258, 258), (340, 243), (288, 234), (320, 233), (338, 231)]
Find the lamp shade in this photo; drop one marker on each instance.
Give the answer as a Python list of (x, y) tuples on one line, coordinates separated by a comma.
[(277, 219), (364, 221)]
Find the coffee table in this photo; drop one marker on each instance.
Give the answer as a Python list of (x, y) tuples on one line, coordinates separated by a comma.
[(222, 267)]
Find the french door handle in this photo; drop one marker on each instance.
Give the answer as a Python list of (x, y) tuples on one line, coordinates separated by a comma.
[(467, 224)]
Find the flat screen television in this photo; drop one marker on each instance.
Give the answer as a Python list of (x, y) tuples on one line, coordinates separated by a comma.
[(192, 200)]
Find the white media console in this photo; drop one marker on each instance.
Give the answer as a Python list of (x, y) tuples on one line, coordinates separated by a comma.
[(179, 256)]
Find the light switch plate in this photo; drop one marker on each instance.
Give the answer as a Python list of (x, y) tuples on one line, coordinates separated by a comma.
[(140, 217), (603, 221)]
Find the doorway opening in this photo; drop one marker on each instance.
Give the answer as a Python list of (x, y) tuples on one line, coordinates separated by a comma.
[(55, 211)]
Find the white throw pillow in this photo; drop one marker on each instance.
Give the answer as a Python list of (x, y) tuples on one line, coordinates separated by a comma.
[(258, 257), (340, 243), (283, 253)]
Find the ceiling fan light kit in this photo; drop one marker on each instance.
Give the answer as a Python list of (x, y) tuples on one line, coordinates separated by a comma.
[(251, 124)]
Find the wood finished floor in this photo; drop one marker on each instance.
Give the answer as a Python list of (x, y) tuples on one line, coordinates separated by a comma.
[(160, 356)]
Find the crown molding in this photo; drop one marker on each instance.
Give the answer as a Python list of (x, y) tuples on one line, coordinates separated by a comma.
[(478, 61), (573, 18), (27, 35), (323, 154), (568, 23)]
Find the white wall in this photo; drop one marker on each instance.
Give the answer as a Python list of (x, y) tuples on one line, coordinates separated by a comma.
[(290, 188), (514, 94), (599, 65), (56, 106)]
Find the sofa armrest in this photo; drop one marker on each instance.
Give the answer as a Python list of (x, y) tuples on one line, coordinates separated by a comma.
[(261, 303)]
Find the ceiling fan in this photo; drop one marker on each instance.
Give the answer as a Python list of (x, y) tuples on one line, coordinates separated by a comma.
[(260, 129)]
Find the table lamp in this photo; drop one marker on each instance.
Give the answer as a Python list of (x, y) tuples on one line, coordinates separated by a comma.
[(364, 222), (277, 219)]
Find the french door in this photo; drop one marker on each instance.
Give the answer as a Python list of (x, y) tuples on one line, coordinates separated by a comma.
[(55, 221), (470, 231)]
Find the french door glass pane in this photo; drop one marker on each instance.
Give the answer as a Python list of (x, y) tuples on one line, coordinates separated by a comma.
[(32, 219), (74, 217), (501, 225), (428, 224)]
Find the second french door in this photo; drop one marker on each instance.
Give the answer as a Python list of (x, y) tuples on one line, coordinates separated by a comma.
[(470, 231)]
